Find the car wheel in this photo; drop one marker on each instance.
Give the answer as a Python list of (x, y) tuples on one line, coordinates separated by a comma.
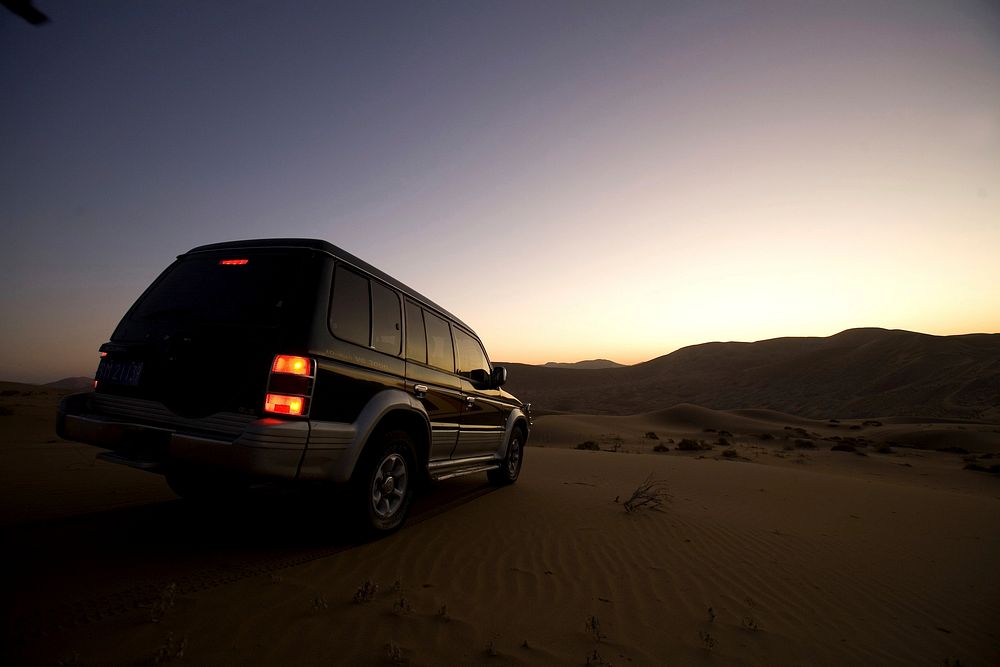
[(510, 467), (384, 484)]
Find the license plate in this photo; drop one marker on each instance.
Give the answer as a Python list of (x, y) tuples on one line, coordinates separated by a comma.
[(119, 371)]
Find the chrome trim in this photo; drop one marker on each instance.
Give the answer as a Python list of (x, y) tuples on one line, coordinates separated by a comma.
[(457, 463), (464, 471), (124, 407)]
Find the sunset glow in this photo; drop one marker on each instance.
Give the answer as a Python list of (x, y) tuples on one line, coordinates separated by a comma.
[(574, 180)]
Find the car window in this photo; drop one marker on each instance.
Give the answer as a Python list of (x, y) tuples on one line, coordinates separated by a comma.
[(439, 350), (416, 340), (349, 309), (386, 329), (471, 362)]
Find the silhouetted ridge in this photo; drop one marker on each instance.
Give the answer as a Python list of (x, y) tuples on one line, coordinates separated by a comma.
[(855, 373)]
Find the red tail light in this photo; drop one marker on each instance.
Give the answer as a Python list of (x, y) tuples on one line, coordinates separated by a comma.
[(290, 385), (286, 363), (284, 405), (233, 262)]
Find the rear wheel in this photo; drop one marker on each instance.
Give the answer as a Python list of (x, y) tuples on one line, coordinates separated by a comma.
[(510, 467), (384, 483)]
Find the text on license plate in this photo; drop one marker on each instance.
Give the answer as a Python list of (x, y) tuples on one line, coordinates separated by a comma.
[(119, 371)]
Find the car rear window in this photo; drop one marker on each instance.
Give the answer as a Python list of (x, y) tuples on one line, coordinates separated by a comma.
[(237, 287)]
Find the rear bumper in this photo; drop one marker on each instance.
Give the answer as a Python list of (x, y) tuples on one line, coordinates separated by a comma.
[(264, 448)]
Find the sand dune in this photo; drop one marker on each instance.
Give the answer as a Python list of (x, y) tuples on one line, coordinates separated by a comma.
[(776, 555), (856, 373)]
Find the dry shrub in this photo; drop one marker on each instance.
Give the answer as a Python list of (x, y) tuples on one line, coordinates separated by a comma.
[(589, 445), (651, 494)]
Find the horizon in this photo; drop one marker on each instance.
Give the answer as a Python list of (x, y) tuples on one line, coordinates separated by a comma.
[(579, 361), (575, 180)]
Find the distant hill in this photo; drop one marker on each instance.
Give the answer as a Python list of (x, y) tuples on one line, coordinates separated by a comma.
[(79, 383), (589, 363), (856, 373)]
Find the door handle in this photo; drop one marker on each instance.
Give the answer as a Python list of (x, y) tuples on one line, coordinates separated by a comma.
[(469, 400), (420, 389)]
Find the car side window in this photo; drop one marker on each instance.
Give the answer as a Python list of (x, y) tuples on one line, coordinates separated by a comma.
[(349, 308), (439, 350), (472, 362), (386, 325), (416, 340)]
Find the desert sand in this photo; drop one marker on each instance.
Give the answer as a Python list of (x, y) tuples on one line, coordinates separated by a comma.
[(769, 550)]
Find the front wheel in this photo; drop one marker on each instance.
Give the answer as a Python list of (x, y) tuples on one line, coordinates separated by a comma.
[(510, 467), (383, 487)]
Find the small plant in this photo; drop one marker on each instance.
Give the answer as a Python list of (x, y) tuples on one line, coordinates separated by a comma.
[(319, 602), (885, 449), (711, 615), (766, 436), (650, 435), (723, 442), (589, 445), (595, 659), (750, 623), (661, 448), (366, 592), (594, 628), (730, 454), (707, 640), (393, 653), (401, 606), (843, 448), (442, 613), (651, 494), (725, 434), (803, 443), (171, 650), (690, 445), (491, 649), (397, 587), (164, 603)]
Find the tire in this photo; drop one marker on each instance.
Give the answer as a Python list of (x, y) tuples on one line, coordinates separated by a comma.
[(384, 482), (510, 467)]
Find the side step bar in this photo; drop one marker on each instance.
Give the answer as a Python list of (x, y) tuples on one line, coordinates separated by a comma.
[(438, 470), (448, 474)]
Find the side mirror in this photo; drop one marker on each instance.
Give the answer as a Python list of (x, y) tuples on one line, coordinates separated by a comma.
[(499, 376)]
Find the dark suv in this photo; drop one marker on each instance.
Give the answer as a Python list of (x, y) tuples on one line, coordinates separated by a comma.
[(291, 359)]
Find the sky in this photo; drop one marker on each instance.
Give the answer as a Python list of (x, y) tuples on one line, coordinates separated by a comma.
[(573, 179)]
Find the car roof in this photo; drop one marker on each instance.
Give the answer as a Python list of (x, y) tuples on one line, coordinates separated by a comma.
[(337, 253)]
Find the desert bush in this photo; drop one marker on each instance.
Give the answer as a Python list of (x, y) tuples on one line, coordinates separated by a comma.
[(885, 449), (730, 454), (171, 650), (366, 592), (802, 443), (723, 442), (594, 628), (766, 436), (725, 434), (650, 435), (651, 494), (589, 445), (978, 467), (689, 445), (871, 422), (164, 603), (661, 448), (843, 447), (393, 653)]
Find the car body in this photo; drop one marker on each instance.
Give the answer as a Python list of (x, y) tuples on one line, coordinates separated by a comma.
[(291, 359)]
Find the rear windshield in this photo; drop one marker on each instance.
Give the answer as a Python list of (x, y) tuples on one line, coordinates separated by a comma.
[(255, 288)]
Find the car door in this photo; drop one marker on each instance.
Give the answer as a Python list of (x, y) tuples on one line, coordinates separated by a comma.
[(430, 376), (482, 422)]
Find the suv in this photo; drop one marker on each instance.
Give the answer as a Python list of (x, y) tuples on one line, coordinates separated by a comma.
[(290, 359)]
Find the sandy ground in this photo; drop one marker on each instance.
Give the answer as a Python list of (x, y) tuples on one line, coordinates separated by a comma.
[(777, 554)]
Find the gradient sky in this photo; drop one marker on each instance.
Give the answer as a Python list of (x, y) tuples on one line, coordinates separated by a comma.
[(573, 179)]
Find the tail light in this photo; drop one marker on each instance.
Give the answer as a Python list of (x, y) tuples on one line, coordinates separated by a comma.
[(290, 385)]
